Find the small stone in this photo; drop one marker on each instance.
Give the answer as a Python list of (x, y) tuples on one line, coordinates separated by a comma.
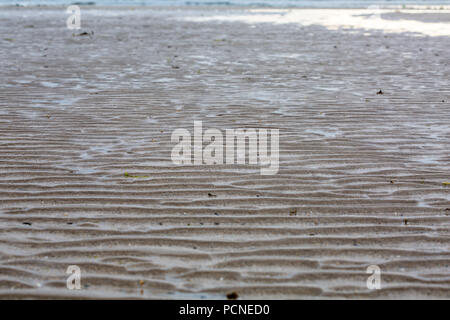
[(232, 295)]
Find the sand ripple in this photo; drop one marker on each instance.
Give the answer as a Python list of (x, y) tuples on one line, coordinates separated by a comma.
[(360, 180)]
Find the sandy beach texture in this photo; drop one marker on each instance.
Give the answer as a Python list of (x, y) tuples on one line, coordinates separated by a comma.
[(86, 177)]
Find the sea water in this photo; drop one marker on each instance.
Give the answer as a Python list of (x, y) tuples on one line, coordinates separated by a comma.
[(259, 3)]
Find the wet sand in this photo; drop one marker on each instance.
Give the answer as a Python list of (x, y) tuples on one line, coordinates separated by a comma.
[(361, 178)]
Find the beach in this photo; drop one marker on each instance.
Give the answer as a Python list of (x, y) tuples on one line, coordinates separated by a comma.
[(86, 176)]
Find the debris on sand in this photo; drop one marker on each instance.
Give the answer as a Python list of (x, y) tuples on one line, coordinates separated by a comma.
[(380, 92), (211, 194), (126, 174), (446, 183), (293, 212), (232, 295), (86, 33)]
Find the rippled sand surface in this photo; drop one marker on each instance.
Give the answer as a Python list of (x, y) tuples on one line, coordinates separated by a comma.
[(361, 180)]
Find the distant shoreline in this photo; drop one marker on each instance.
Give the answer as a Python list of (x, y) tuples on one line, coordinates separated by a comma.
[(435, 7)]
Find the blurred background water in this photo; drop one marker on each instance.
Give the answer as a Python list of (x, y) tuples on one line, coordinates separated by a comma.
[(267, 3)]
